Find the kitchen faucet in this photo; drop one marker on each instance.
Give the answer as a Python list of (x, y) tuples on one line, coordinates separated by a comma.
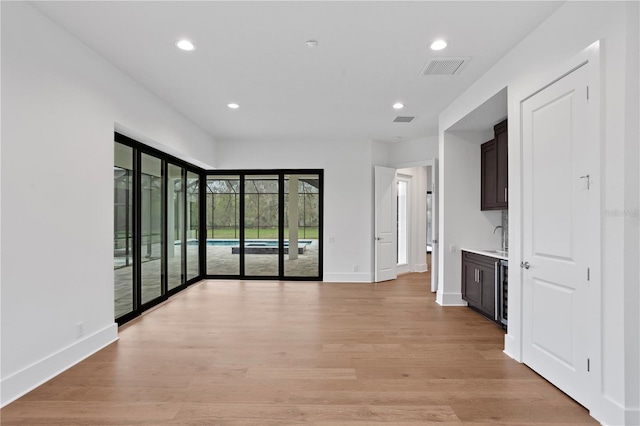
[(503, 240)]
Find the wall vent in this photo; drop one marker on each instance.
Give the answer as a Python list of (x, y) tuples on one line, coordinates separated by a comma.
[(400, 119), (444, 66)]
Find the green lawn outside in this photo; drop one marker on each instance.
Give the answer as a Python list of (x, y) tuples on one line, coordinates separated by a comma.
[(268, 233)]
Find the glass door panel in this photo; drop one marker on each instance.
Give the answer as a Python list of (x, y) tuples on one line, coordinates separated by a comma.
[(261, 229), (123, 230), (193, 224), (302, 224), (175, 224), (223, 225), (151, 228)]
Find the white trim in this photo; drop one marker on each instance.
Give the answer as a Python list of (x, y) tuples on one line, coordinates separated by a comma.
[(421, 267), (615, 413), (511, 348), (406, 266), (450, 299), (20, 383)]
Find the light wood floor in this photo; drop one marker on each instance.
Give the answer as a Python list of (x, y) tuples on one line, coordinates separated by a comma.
[(269, 353)]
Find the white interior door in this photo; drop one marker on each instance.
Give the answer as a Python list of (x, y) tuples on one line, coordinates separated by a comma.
[(434, 226), (385, 224), (557, 252)]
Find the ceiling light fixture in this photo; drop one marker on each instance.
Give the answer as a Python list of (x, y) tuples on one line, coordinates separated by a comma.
[(438, 45), (311, 44), (398, 105), (233, 106), (185, 45)]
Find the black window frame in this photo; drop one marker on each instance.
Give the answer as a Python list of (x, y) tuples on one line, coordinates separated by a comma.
[(140, 148)]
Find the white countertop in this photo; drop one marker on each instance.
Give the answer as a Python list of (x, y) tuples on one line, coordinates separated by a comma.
[(490, 253)]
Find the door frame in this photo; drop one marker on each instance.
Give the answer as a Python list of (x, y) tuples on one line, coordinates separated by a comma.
[(433, 163), (403, 268), (590, 58)]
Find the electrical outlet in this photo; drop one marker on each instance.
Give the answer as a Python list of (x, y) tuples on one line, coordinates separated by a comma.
[(452, 248), (80, 330), (332, 240), (355, 268)]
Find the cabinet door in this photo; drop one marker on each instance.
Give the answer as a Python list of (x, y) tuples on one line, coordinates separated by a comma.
[(471, 288), (489, 176), (488, 293), (502, 165)]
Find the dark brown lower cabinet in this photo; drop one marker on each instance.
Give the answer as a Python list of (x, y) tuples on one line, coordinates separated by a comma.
[(479, 283)]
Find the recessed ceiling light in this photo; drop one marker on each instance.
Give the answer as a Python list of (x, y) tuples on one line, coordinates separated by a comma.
[(438, 45), (233, 106), (311, 43), (185, 45), (398, 105)]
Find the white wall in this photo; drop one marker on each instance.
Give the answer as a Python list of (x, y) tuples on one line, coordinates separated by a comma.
[(347, 194), (60, 104), (463, 225), (414, 151), (567, 32)]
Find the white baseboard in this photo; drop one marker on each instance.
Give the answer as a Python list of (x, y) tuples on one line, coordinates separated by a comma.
[(450, 299), (29, 378), (421, 267), (633, 416), (611, 413), (355, 277), (511, 348)]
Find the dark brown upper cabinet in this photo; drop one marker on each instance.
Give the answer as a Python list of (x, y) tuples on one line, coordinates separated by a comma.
[(495, 170)]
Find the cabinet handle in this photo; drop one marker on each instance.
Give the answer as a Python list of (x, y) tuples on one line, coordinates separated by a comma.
[(505, 194), (497, 279)]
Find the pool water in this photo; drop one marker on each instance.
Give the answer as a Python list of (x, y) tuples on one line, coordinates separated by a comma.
[(247, 243)]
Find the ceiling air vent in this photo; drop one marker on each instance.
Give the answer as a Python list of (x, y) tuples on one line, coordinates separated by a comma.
[(400, 119), (444, 66)]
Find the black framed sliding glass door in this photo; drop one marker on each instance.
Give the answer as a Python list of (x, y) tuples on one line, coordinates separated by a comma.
[(175, 223), (123, 244), (151, 218), (175, 226), (192, 211), (156, 226), (222, 205), (302, 211), (262, 228), (264, 224)]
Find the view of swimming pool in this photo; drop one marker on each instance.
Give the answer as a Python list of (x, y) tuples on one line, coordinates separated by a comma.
[(247, 243)]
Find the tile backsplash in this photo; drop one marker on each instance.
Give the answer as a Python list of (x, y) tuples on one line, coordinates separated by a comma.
[(505, 226)]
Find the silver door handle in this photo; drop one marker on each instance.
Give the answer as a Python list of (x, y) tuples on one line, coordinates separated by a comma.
[(378, 238), (434, 241), (525, 265)]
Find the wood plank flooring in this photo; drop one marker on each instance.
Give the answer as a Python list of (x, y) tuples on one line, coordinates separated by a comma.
[(274, 353)]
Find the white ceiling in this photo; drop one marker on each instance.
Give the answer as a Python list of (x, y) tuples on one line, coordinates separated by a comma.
[(370, 55)]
